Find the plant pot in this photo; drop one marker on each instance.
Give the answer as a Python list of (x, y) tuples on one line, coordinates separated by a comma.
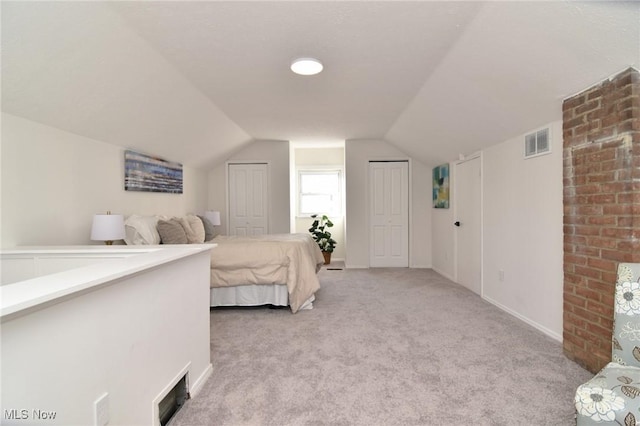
[(327, 257)]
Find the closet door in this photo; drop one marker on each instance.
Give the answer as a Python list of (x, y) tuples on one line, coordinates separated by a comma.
[(468, 224), (248, 199), (389, 213)]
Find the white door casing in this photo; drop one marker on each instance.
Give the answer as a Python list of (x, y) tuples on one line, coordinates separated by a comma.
[(468, 223), (248, 199), (389, 213)]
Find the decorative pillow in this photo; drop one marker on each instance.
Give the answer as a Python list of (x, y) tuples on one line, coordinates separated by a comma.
[(193, 227), (209, 229), (141, 230), (197, 227), (171, 232)]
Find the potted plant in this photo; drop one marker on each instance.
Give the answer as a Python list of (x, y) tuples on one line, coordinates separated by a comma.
[(322, 236)]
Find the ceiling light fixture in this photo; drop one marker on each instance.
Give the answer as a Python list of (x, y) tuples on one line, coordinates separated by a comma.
[(306, 66)]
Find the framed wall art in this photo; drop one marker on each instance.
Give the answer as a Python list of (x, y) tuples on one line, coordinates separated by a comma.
[(441, 186), (151, 174)]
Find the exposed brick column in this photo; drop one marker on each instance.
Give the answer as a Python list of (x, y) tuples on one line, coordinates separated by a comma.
[(601, 132)]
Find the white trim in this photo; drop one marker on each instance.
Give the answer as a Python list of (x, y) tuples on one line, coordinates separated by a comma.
[(197, 386), (20, 298), (350, 266), (464, 159), (527, 320), (444, 274)]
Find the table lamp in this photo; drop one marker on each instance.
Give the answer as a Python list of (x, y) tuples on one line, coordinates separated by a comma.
[(107, 227)]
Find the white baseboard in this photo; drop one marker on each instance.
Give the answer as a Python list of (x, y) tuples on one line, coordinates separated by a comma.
[(200, 381), (351, 266), (414, 266), (529, 321), (444, 274)]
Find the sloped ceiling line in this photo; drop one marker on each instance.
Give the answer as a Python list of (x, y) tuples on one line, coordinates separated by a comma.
[(194, 81)]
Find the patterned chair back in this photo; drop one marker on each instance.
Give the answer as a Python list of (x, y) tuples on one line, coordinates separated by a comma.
[(626, 316)]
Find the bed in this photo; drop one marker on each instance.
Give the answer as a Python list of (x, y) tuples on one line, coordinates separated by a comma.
[(278, 269)]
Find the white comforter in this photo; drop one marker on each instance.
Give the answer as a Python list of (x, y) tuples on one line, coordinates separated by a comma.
[(291, 259)]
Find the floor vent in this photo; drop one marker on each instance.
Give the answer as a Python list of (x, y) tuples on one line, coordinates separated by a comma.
[(174, 400)]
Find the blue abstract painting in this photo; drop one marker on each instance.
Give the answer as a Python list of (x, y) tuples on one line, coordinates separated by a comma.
[(151, 174), (441, 187)]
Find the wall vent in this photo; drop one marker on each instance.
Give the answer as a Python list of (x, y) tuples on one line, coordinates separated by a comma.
[(173, 401), (537, 143)]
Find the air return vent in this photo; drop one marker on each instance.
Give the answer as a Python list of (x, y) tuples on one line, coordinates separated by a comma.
[(173, 401), (537, 143)]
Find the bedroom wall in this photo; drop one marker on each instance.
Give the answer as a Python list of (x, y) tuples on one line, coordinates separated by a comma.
[(276, 153), (358, 153), (523, 213), (443, 256), (53, 182)]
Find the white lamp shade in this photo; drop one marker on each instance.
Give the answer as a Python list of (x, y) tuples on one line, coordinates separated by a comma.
[(214, 217), (107, 227)]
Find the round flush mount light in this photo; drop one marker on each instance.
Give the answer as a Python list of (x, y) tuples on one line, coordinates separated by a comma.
[(306, 66)]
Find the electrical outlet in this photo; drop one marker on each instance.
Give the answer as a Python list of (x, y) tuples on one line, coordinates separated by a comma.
[(101, 410), (501, 274)]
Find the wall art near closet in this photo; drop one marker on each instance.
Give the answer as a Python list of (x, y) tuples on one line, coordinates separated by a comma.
[(441, 187), (151, 174)]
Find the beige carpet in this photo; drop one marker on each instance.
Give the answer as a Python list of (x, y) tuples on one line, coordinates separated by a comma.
[(383, 347)]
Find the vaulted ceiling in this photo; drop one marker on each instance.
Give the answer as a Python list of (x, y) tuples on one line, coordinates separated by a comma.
[(194, 81)]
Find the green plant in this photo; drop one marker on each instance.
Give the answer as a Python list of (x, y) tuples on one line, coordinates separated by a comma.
[(320, 233)]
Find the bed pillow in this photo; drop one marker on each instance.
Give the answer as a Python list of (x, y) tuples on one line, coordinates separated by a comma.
[(194, 228), (197, 226), (171, 232), (209, 230), (141, 230)]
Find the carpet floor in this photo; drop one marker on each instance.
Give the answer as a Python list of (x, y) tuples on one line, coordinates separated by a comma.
[(383, 347)]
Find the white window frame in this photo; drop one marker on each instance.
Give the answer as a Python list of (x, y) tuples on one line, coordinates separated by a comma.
[(337, 196)]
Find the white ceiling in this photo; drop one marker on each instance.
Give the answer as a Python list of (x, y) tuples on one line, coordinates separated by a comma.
[(195, 80)]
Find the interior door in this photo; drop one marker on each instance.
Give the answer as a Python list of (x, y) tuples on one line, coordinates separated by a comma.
[(248, 197), (389, 217), (468, 224)]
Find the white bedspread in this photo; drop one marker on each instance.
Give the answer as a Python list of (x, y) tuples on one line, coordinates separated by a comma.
[(291, 259)]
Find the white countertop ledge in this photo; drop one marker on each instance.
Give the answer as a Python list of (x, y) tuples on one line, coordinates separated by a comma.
[(22, 297)]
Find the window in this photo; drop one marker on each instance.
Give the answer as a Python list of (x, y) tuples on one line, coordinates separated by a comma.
[(320, 191)]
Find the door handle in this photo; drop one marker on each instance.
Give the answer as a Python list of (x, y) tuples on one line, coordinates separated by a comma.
[(456, 223)]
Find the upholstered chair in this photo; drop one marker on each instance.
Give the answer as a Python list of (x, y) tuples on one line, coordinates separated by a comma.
[(613, 395)]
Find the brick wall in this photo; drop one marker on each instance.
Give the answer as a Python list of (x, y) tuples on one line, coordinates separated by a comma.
[(601, 132)]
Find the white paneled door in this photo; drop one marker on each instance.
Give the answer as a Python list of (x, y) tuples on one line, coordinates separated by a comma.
[(468, 222), (248, 199), (389, 218)]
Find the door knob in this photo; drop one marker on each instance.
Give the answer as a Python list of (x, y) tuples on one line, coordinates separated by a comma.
[(456, 223)]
